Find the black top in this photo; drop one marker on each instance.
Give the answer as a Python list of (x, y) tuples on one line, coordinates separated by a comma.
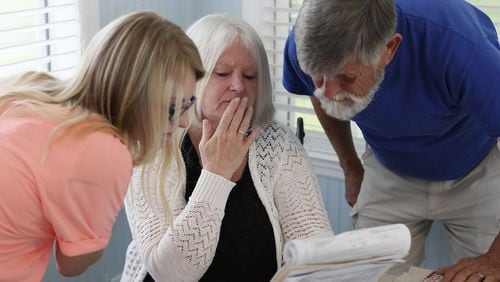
[(246, 250)]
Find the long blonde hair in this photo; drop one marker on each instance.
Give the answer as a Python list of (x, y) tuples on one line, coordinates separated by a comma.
[(132, 70), (130, 73)]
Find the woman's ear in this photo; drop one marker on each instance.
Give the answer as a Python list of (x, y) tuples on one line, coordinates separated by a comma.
[(391, 48)]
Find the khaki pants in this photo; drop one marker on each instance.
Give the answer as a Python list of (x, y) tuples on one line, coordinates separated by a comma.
[(469, 207)]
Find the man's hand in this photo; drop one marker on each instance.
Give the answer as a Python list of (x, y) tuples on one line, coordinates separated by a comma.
[(485, 268)]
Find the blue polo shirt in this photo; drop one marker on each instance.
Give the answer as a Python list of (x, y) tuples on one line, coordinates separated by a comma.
[(437, 112)]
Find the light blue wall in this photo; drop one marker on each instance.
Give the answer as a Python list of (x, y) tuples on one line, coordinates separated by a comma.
[(203, 8), (183, 13)]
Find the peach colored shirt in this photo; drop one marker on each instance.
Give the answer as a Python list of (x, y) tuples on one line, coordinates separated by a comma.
[(73, 197)]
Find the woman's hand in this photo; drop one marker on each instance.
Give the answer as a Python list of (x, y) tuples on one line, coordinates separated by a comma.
[(223, 150)]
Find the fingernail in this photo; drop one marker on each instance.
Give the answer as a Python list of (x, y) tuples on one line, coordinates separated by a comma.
[(245, 99), (236, 100)]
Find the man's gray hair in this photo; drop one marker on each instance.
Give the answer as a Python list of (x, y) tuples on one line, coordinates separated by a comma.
[(330, 32)]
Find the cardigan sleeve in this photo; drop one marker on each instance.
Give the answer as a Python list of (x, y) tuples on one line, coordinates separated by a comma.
[(184, 249), (297, 193)]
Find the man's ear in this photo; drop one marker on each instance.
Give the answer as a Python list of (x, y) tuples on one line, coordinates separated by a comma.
[(391, 48)]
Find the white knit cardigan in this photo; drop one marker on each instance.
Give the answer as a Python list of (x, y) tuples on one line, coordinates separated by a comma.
[(183, 251)]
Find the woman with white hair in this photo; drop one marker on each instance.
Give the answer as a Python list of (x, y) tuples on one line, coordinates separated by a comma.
[(230, 225)]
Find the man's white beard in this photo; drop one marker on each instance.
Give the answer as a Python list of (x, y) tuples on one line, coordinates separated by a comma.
[(346, 110)]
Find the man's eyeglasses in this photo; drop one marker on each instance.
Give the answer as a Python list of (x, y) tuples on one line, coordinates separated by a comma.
[(186, 104)]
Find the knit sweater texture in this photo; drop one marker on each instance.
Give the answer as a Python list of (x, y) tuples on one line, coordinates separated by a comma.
[(183, 251)]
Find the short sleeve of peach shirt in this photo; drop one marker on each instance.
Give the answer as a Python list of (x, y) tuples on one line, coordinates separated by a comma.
[(83, 210), (72, 196)]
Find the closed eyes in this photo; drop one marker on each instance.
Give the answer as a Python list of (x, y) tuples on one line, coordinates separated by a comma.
[(227, 74)]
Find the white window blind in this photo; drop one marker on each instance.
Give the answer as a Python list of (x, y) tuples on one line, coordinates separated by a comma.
[(273, 20), (42, 35), (491, 8)]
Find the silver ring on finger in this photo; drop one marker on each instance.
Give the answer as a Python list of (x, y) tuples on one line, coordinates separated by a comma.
[(481, 276), (244, 133)]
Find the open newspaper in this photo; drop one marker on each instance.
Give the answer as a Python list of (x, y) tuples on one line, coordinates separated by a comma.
[(359, 255)]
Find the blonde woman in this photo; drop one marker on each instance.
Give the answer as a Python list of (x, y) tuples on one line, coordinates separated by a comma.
[(67, 149), (230, 225)]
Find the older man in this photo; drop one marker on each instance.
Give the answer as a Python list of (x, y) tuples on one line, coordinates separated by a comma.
[(421, 79)]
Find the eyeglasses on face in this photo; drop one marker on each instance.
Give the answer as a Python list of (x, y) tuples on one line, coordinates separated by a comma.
[(186, 104)]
